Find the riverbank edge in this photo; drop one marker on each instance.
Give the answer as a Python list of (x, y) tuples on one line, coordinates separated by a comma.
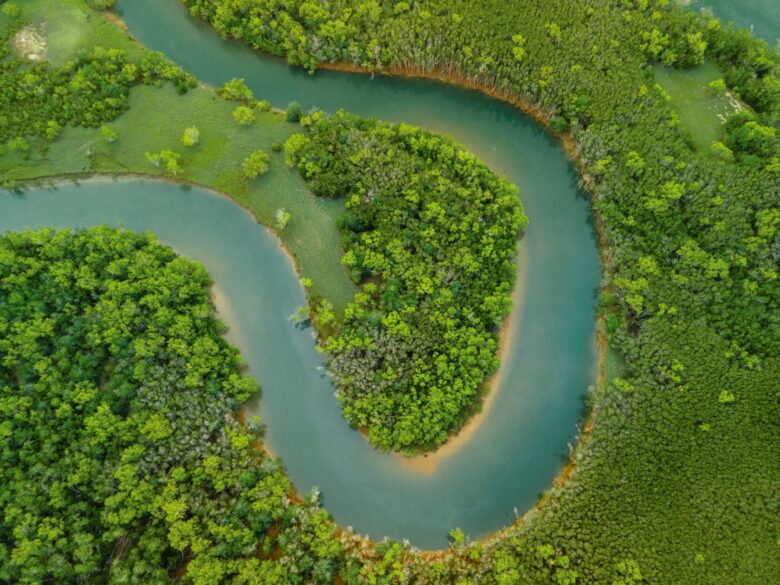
[(428, 462), (52, 181), (540, 116), (569, 470), (475, 413)]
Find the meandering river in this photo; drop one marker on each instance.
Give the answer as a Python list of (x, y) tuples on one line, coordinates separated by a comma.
[(549, 364), (519, 448)]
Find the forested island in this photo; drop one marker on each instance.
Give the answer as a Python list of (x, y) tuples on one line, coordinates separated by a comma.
[(437, 267), (126, 456)]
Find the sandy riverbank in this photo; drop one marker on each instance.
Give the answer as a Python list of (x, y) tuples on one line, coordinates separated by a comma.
[(428, 463)]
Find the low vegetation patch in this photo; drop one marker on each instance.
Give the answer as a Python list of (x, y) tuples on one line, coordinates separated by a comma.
[(702, 100)]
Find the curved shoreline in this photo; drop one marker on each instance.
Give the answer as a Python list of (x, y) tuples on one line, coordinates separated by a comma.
[(522, 105), (570, 147), (569, 469), (217, 299), (435, 458), (459, 436), (45, 181), (427, 463)]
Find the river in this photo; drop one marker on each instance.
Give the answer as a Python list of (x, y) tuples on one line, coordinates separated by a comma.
[(761, 17), (548, 365), (550, 360)]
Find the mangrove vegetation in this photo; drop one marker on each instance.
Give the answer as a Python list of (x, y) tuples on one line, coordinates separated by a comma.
[(122, 458)]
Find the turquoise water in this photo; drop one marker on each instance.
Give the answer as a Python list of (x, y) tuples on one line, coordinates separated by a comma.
[(520, 447), (257, 290), (761, 17)]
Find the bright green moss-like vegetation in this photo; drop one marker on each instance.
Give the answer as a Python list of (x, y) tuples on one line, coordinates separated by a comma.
[(431, 234), (692, 238), (676, 483), (91, 89), (84, 117), (119, 443)]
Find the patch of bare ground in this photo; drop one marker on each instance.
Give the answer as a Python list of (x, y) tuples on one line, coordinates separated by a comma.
[(30, 43)]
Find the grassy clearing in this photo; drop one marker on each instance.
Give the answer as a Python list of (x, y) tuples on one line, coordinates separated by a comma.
[(701, 114), (614, 365), (155, 121), (69, 28)]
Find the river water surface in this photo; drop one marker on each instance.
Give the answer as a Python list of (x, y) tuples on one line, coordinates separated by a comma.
[(761, 17), (549, 364)]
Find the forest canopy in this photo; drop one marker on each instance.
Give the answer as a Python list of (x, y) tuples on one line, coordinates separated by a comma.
[(431, 235), (120, 447), (675, 482), (682, 442)]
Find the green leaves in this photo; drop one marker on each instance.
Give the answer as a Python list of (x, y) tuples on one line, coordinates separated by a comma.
[(244, 116), (255, 164), (116, 416), (431, 234)]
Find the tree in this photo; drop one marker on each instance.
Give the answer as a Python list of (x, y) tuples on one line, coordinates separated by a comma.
[(628, 573), (457, 537), (108, 133), (559, 124), (170, 158), (281, 218), (294, 112), (244, 116), (554, 31), (12, 10), (53, 129), (237, 90), (255, 164), (722, 151), (518, 48), (716, 88), (191, 136)]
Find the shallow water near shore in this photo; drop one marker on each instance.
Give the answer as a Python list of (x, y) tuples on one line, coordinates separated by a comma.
[(520, 446), (522, 442), (760, 17)]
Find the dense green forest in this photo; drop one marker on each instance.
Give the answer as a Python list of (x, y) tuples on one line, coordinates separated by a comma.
[(431, 234), (37, 101), (685, 444), (120, 447), (676, 483)]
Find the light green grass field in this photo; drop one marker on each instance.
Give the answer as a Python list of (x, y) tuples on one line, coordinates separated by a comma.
[(70, 28), (155, 121), (701, 114), (614, 365)]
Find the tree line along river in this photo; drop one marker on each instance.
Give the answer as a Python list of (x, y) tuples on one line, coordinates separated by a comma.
[(547, 366)]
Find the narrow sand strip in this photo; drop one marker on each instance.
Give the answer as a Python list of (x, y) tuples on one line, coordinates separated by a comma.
[(429, 462)]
